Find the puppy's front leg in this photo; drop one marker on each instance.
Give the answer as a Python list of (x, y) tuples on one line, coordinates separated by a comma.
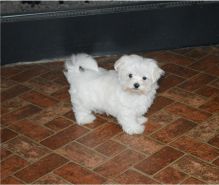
[(141, 120), (130, 125)]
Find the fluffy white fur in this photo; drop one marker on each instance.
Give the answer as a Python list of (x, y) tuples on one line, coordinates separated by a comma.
[(94, 89)]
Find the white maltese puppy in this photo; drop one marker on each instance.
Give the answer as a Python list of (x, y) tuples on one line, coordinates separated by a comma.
[(125, 93)]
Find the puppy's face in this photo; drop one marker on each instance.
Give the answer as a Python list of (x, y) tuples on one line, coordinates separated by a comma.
[(137, 74)]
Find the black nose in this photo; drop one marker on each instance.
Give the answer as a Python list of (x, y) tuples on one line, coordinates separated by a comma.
[(136, 85)]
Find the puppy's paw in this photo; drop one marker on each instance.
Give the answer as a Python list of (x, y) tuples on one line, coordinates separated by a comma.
[(142, 120), (82, 120), (134, 129)]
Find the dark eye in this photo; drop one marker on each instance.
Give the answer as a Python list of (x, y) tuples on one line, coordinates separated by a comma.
[(130, 75), (144, 78)]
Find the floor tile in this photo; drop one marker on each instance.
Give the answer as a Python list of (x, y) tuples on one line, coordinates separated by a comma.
[(63, 137), (188, 98), (175, 59), (31, 129), (51, 179), (162, 118), (207, 91), (159, 160), (4, 153), (152, 54), (13, 92), (133, 177), (169, 81), (11, 165), (40, 168), (216, 162), (215, 83), (159, 103), (198, 169), (214, 141), (170, 176), (7, 134), (11, 180), (206, 63), (50, 113), (54, 65), (52, 75), (151, 127), (119, 163), (26, 148), (29, 74), (43, 85), (188, 112), (196, 148), (206, 130), (59, 123), (197, 53), (12, 105), (61, 94), (211, 106), (140, 142), (110, 148), (192, 180), (70, 115), (214, 70), (38, 99), (6, 83), (173, 130), (19, 114), (197, 82), (100, 135), (9, 71), (81, 155), (78, 175), (179, 70)]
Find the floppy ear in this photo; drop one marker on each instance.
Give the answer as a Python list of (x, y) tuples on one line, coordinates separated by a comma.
[(120, 62), (157, 73)]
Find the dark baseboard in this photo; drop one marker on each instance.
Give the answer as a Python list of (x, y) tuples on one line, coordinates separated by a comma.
[(111, 30)]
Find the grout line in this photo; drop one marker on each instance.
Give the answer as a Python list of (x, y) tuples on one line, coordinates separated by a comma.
[(191, 108), (132, 148), (163, 126), (145, 174), (82, 166), (183, 99), (131, 166), (190, 154), (50, 173), (211, 84), (26, 166), (26, 70), (38, 144)]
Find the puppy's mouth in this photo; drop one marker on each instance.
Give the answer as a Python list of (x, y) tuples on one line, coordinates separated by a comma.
[(134, 90)]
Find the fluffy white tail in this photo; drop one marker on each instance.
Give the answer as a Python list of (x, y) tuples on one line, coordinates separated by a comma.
[(78, 64), (81, 62)]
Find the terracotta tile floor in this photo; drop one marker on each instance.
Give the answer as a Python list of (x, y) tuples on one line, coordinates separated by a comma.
[(41, 143)]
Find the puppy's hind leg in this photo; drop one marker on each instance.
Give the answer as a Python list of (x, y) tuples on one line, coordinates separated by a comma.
[(83, 116)]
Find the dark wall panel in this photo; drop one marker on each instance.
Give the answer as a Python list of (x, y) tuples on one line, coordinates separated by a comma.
[(29, 39)]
